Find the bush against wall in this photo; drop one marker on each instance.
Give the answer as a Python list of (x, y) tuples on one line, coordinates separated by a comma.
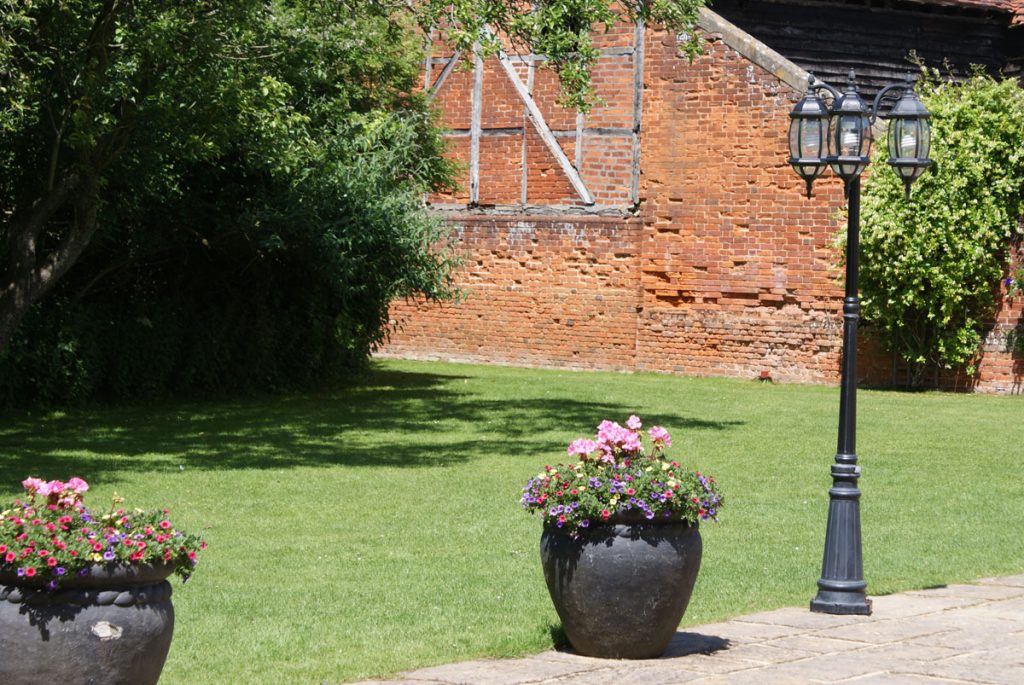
[(930, 268)]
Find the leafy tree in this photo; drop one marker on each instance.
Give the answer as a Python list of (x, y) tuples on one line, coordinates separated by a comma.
[(236, 184), (931, 267)]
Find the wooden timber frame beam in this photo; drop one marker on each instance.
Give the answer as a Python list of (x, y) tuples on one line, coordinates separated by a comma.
[(638, 110), (432, 88), (543, 130)]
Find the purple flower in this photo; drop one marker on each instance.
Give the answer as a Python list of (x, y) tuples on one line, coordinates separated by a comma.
[(648, 514), (109, 555), (585, 523), (59, 571)]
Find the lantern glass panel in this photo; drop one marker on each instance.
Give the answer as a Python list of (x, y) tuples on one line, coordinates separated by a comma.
[(925, 145), (849, 135), (806, 136)]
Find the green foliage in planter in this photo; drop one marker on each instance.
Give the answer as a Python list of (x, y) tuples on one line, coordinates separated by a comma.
[(930, 268)]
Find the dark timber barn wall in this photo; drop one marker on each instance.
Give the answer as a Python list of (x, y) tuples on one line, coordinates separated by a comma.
[(880, 39), (664, 231)]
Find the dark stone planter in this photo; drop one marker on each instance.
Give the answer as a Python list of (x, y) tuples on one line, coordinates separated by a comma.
[(621, 588), (112, 627)]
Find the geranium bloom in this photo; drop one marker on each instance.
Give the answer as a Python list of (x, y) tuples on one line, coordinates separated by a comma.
[(32, 485), (582, 447), (660, 437)]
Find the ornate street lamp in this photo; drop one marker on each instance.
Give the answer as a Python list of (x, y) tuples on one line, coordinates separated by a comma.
[(808, 131), (841, 586)]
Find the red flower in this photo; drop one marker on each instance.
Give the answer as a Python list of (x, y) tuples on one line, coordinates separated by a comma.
[(605, 513), (30, 571), (52, 561), (97, 547), (43, 552), (630, 491), (165, 524), (3, 548)]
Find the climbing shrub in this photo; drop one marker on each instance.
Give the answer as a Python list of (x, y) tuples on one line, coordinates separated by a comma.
[(930, 268)]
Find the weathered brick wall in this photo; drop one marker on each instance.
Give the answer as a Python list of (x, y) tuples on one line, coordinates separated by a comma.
[(539, 292), (737, 265), (726, 268)]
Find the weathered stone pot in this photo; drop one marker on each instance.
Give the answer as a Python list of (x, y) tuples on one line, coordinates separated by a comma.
[(621, 588), (112, 627)]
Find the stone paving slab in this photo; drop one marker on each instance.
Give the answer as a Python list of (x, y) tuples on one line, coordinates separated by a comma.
[(951, 635)]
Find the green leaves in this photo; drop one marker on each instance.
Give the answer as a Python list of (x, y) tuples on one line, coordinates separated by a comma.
[(559, 29), (930, 268)]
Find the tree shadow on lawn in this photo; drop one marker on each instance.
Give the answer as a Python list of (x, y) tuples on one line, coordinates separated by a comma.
[(390, 418)]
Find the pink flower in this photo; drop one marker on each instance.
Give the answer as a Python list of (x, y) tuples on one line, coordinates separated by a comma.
[(165, 524), (54, 487), (582, 447), (32, 485), (631, 442), (660, 436), (634, 422), (77, 484)]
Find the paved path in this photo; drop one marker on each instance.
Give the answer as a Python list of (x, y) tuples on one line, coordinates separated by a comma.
[(956, 634)]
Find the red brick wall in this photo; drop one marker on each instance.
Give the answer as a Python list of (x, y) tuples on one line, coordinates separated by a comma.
[(725, 269), (539, 292), (737, 263)]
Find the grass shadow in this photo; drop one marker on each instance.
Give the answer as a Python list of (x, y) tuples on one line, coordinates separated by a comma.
[(389, 418)]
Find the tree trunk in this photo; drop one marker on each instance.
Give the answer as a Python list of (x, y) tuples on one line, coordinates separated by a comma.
[(30, 275)]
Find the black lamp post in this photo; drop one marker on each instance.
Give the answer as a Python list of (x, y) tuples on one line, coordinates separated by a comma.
[(846, 148)]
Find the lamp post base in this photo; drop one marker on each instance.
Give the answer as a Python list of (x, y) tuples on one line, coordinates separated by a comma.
[(843, 603)]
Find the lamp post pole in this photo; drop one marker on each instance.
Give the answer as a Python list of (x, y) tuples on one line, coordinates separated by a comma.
[(842, 585), (840, 137)]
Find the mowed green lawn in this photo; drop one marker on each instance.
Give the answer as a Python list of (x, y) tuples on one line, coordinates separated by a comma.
[(377, 528)]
